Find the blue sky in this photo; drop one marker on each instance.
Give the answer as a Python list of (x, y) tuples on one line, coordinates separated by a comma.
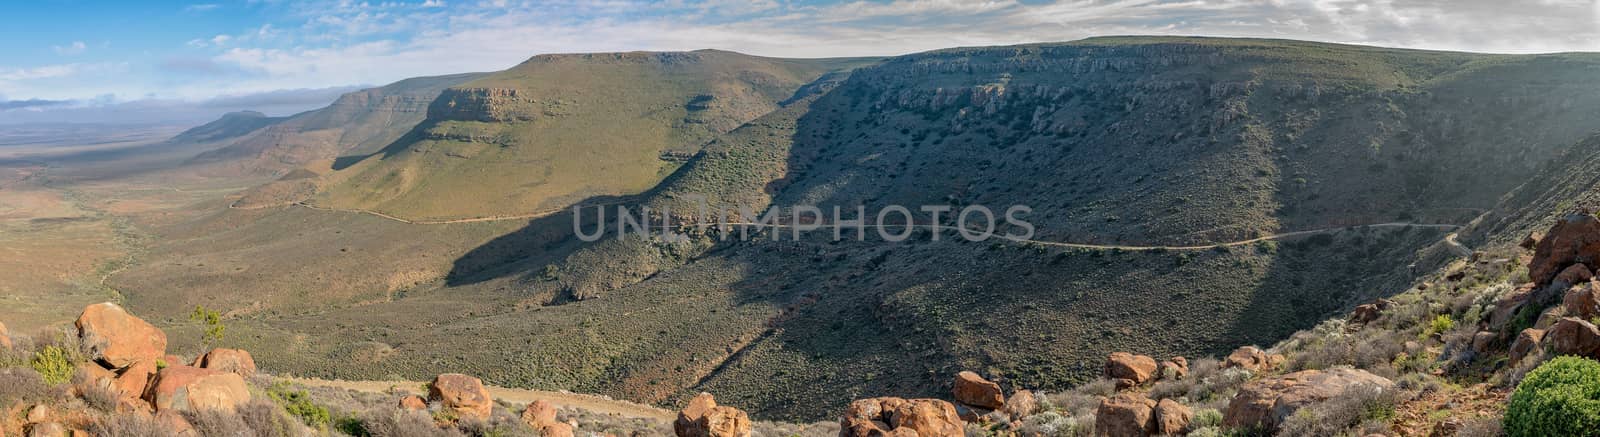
[(61, 56)]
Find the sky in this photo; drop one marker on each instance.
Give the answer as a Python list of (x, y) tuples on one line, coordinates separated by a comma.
[(155, 61)]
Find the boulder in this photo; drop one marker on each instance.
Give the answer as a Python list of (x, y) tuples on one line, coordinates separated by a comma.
[(1507, 307), (971, 389), (1483, 341), (1022, 404), (1366, 313), (5, 338), (1265, 403), (1252, 358), (117, 339), (175, 424), (1137, 369), (132, 382), (465, 395), (1582, 301), (890, 416), (704, 418), (928, 418), (413, 403), (541, 415), (1575, 274), (1175, 368), (185, 388), (1525, 343), (1532, 240), (1171, 417), (228, 360), (1125, 415), (1573, 336), (1573, 238)]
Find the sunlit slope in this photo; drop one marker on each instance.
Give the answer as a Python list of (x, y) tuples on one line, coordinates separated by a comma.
[(560, 128)]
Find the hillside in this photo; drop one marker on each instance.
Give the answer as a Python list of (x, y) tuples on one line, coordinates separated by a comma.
[(1112, 141), (356, 124), (559, 128)]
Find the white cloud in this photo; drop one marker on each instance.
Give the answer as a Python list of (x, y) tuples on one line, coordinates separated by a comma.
[(201, 7), (76, 47)]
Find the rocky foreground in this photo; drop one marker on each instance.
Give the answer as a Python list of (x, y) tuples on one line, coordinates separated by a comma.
[(1440, 359)]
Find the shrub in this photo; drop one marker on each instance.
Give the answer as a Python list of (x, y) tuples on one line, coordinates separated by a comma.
[(128, 425), (298, 404), (1206, 418), (1357, 405), (22, 385), (52, 363), (1561, 397), (394, 422), (1440, 324)]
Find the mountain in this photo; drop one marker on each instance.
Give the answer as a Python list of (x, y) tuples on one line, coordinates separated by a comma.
[(560, 128), (356, 124), (1152, 151)]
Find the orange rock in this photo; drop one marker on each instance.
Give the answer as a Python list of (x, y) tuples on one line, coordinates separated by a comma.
[(1582, 301), (133, 381), (1175, 368), (48, 429), (1573, 336), (557, 429), (1525, 343), (229, 360), (1251, 358), (928, 417), (1137, 369), (704, 418), (538, 414), (1125, 415), (176, 424), (1575, 274), (184, 388), (1573, 238), (1367, 313), (463, 394), (971, 389), (38, 414), (413, 403), (1265, 403), (5, 337), (1171, 418), (1022, 404), (1532, 240), (118, 339)]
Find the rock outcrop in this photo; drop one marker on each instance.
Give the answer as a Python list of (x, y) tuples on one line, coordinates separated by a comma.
[(704, 418), (413, 403), (1366, 313), (1264, 404), (1125, 415), (1252, 358), (185, 388), (1525, 343), (1583, 300), (971, 389), (5, 338), (541, 415), (1573, 336), (1175, 368), (889, 416), (1021, 404), (117, 339), (1574, 238), (1129, 369), (228, 360), (1171, 417), (462, 394)]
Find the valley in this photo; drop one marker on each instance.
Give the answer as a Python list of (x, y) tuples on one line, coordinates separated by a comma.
[(1190, 196)]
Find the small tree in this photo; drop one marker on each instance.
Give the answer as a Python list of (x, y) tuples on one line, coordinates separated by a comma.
[(211, 320), (1561, 397)]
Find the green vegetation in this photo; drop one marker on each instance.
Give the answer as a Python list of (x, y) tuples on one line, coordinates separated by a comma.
[(1561, 397), (53, 364), (298, 403), (211, 323)]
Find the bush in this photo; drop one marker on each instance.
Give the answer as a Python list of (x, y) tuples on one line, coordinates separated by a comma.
[(22, 385), (298, 404), (52, 363), (1561, 397), (1357, 405)]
